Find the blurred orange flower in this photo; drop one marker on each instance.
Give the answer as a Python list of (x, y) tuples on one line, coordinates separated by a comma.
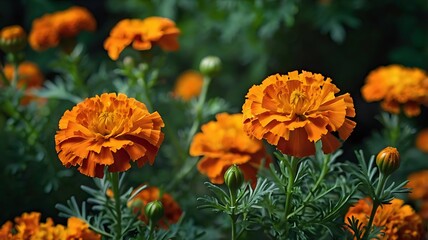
[(78, 229), (48, 30), (419, 185), (397, 86), (108, 130), (172, 211), (293, 111), (142, 34), (399, 219), (12, 38), (422, 140), (223, 143), (29, 78), (188, 85)]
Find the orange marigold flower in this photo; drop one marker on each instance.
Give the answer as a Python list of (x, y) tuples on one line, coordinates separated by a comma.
[(172, 211), (188, 85), (418, 184), (108, 130), (78, 229), (6, 230), (422, 140), (399, 219), (396, 86), (12, 38), (142, 34), (293, 111), (223, 143), (48, 230), (27, 224), (48, 30)]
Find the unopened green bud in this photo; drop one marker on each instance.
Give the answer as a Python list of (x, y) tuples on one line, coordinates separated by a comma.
[(154, 211), (388, 160), (210, 66), (234, 178)]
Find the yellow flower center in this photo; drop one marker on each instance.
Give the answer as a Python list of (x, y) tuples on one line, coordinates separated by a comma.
[(105, 123), (297, 101)]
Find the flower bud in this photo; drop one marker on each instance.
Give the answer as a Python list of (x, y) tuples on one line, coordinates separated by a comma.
[(233, 178), (136, 205), (388, 160), (154, 211), (210, 66), (12, 39)]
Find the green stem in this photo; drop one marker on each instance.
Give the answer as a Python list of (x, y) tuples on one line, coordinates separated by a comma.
[(292, 170), (146, 91), (151, 229), (116, 194), (376, 204), (232, 214)]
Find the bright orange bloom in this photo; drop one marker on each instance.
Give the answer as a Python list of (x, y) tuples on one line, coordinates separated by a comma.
[(108, 130), (48, 30), (172, 211), (396, 86), (422, 140), (78, 229), (293, 111), (28, 224), (399, 219), (29, 77), (223, 143), (142, 34), (188, 85), (12, 38), (6, 230), (419, 185)]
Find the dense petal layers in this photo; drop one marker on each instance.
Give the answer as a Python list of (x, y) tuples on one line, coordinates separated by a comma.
[(172, 211), (108, 130), (293, 111), (48, 30), (399, 219), (397, 86), (142, 34), (188, 85), (223, 143)]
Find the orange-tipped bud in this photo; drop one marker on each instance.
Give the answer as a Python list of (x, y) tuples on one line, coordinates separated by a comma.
[(13, 39), (388, 160)]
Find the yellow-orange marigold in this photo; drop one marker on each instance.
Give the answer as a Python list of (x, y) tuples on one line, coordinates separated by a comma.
[(172, 211), (12, 38), (399, 219), (142, 34), (418, 182), (108, 131), (397, 86), (78, 229), (422, 140), (223, 143), (293, 111), (48, 30), (188, 85)]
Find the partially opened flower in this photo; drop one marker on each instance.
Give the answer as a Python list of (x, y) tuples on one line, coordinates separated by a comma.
[(399, 219), (223, 143), (171, 210), (50, 29), (422, 140), (397, 86), (108, 131), (188, 85), (12, 38), (296, 110), (142, 34)]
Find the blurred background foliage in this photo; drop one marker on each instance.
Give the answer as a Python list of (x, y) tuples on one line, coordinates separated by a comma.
[(341, 39)]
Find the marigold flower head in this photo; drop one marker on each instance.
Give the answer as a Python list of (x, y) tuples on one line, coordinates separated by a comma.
[(142, 34), (294, 111), (108, 131), (48, 30), (188, 85), (388, 160), (78, 229), (171, 210), (12, 38), (399, 219), (223, 143), (397, 86), (418, 184), (422, 140)]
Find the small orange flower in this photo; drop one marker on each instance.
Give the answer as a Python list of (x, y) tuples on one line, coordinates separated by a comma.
[(78, 229), (293, 111), (108, 130), (13, 38), (27, 224), (172, 211), (142, 34), (223, 143), (419, 185), (422, 140), (188, 85), (50, 29), (399, 219), (6, 230), (396, 86)]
